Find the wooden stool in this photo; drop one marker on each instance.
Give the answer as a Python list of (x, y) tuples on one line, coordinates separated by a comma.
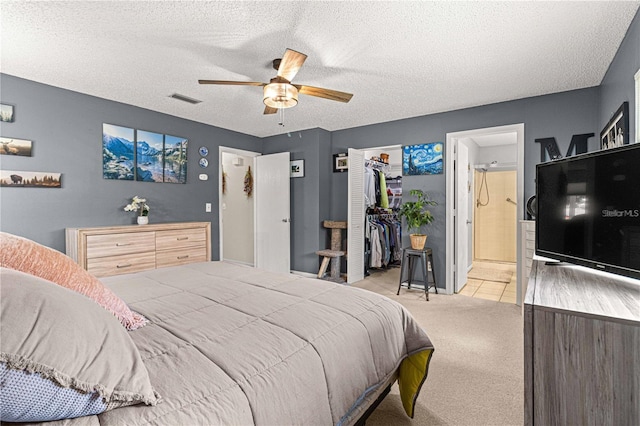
[(408, 266), (335, 253)]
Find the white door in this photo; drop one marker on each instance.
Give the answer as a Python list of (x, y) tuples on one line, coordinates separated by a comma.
[(462, 221), (355, 226), (272, 187)]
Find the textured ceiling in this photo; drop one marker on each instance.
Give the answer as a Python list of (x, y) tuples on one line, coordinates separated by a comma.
[(399, 59)]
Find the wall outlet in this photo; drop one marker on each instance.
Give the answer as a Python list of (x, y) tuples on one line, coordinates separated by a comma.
[(207, 207)]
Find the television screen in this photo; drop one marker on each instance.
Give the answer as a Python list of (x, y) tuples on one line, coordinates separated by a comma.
[(588, 210)]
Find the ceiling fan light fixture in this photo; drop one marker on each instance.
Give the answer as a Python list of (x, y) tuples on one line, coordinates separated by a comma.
[(280, 95)]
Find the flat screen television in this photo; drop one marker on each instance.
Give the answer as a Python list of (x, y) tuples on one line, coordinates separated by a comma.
[(588, 210)]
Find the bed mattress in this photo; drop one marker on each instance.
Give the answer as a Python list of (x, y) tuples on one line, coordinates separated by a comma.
[(230, 344)]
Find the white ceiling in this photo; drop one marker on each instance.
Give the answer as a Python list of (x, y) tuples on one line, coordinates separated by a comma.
[(399, 59)]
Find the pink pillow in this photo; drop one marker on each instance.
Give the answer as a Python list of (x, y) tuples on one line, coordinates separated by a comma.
[(32, 258)]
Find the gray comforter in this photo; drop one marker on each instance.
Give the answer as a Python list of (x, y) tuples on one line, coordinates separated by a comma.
[(234, 345)]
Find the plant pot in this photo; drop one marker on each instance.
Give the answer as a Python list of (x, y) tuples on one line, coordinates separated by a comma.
[(418, 241), (143, 220)]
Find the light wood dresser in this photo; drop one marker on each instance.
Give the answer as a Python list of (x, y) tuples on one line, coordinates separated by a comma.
[(113, 250), (581, 347)]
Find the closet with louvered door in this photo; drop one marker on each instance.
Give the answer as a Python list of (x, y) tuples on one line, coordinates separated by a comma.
[(383, 197)]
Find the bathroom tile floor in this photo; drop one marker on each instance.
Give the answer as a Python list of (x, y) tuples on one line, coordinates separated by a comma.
[(492, 290)]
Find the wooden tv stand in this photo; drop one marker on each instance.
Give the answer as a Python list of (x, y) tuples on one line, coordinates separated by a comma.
[(581, 347)]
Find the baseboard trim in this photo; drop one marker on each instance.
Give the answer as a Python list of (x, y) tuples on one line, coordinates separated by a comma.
[(238, 262), (304, 274)]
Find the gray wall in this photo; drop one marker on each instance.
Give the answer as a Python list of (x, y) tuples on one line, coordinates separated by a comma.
[(310, 199), (559, 115), (618, 84), (66, 130)]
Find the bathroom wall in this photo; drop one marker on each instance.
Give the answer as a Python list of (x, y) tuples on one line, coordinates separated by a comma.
[(237, 210)]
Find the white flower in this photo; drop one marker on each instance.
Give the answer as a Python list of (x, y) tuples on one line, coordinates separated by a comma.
[(138, 204)]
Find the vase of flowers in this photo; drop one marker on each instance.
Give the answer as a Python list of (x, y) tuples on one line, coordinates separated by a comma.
[(139, 205)]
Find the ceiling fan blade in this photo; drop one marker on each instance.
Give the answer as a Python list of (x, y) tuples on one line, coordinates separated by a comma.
[(269, 110), (319, 92), (232, 83), (290, 64)]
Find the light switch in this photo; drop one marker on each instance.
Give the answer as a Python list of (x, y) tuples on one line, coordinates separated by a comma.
[(207, 207)]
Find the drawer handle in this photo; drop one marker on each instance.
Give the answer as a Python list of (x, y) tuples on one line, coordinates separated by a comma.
[(183, 238), (122, 244), (126, 265), (183, 257)]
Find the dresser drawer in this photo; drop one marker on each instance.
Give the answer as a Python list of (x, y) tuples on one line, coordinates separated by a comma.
[(119, 244), (530, 235), (181, 257), (179, 239), (124, 264)]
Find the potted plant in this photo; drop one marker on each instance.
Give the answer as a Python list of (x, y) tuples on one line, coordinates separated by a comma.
[(416, 216), (140, 206)]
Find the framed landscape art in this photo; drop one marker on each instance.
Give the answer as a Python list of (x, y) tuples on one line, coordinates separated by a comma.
[(22, 179), (13, 146), (131, 154), (6, 113)]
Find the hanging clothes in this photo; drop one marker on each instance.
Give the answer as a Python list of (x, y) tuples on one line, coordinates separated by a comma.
[(383, 237), (384, 197), (376, 181), (369, 187), (376, 249)]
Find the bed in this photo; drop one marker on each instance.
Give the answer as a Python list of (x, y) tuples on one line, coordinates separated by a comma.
[(231, 344)]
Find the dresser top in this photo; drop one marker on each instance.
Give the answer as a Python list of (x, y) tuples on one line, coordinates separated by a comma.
[(578, 289), (141, 228)]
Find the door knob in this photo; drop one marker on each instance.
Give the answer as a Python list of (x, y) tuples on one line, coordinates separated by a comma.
[(286, 220)]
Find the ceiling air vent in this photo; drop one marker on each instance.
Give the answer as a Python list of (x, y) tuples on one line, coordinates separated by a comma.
[(184, 98)]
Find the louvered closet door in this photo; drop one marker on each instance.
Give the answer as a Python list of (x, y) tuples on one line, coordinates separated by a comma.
[(355, 226)]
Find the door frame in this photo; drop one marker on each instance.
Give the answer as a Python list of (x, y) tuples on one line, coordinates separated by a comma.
[(452, 140), (462, 267), (244, 153)]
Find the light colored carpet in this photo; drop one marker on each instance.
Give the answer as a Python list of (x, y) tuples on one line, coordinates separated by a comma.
[(476, 376), (490, 275)]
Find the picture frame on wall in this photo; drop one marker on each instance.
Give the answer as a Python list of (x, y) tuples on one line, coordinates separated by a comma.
[(13, 146), (28, 179), (616, 132), (340, 162), (6, 113), (297, 168), (145, 156), (423, 159)]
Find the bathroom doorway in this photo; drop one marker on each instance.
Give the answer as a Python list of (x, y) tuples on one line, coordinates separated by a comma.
[(499, 149)]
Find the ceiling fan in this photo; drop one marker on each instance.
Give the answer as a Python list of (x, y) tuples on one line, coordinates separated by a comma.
[(280, 93)]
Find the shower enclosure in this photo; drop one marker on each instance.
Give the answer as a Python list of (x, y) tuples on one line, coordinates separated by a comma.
[(495, 213)]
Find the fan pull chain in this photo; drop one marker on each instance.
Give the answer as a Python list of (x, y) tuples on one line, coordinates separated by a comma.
[(281, 114)]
